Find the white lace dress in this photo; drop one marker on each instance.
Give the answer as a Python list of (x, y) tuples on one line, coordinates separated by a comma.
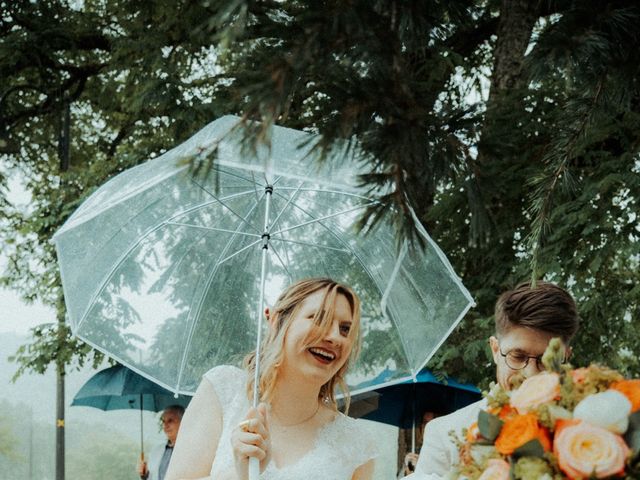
[(340, 448)]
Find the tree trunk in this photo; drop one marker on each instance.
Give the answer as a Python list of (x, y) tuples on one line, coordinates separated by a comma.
[(64, 143), (517, 19), (516, 22), (60, 422), (515, 25)]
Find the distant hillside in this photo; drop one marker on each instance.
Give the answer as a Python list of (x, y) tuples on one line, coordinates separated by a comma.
[(39, 393)]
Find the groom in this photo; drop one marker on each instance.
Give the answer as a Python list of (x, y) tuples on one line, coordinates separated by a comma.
[(526, 319)]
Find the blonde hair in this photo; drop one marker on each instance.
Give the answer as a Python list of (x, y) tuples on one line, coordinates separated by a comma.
[(282, 315)]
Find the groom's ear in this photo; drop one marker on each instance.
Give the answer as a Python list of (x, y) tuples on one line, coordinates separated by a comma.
[(495, 348)]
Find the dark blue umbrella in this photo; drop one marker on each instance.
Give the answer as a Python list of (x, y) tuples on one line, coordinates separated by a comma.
[(403, 404), (118, 388)]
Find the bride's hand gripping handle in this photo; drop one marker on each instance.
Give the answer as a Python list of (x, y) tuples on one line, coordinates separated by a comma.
[(251, 444)]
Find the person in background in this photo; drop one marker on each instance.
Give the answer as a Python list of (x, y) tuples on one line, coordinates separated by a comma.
[(411, 458), (161, 455), (526, 319)]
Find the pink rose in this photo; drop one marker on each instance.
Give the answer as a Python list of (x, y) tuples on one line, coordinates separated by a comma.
[(584, 450), (536, 390), (496, 470)]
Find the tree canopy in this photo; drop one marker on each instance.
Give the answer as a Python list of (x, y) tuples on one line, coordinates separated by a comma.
[(511, 128)]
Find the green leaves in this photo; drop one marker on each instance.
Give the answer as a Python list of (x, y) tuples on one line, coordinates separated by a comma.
[(131, 99), (533, 448), (632, 436), (540, 180), (489, 426), (53, 344)]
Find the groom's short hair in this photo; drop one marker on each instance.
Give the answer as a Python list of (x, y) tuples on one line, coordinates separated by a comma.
[(545, 307)]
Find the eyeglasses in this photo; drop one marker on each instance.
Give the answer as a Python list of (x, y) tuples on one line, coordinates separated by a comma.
[(517, 360)]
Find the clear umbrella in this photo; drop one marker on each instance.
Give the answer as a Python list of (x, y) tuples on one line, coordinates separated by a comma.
[(168, 273)]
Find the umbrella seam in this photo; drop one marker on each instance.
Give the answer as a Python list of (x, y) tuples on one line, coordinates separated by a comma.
[(216, 199), (211, 229), (275, 252), (443, 259), (141, 187), (120, 261), (276, 221), (444, 338), (313, 245), (123, 257), (320, 219), (295, 214), (201, 300), (383, 302), (289, 201)]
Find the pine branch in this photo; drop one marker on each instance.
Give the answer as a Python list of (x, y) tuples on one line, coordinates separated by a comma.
[(557, 176)]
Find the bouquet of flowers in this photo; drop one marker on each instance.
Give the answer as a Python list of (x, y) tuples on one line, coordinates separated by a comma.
[(580, 423)]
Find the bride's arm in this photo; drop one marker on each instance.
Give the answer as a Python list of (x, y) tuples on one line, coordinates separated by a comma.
[(364, 471), (198, 436)]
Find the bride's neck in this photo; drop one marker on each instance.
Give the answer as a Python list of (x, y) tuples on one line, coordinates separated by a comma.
[(294, 401)]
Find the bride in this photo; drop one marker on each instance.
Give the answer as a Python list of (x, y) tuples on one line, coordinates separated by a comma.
[(297, 431)]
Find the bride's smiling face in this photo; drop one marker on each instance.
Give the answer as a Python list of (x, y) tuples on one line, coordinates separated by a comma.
[(314, 351)]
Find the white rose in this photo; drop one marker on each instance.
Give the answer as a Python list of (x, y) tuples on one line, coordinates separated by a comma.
[(609, 410)]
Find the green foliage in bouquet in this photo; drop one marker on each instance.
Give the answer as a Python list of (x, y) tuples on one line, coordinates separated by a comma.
[(532, 468)]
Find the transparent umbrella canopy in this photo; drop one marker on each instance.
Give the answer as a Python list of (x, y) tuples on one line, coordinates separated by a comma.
[(163, 271)]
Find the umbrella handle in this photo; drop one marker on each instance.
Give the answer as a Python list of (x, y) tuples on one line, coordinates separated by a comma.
[(254, 463), (254, 468), (141, 429)]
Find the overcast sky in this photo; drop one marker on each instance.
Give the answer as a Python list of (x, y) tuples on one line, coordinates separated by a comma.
[(18, 317), (15, 315)]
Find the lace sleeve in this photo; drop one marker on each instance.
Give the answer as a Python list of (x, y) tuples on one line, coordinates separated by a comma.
[(229, 383), (367, 443), (359, 438)]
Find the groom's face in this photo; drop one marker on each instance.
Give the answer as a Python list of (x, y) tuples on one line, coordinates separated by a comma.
[(522, 344)]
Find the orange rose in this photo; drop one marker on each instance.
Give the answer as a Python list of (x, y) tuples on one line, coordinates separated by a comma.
[(496, 470), (631, 390), (506, 411), (518, 430), (584, 450), (536, 390)]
